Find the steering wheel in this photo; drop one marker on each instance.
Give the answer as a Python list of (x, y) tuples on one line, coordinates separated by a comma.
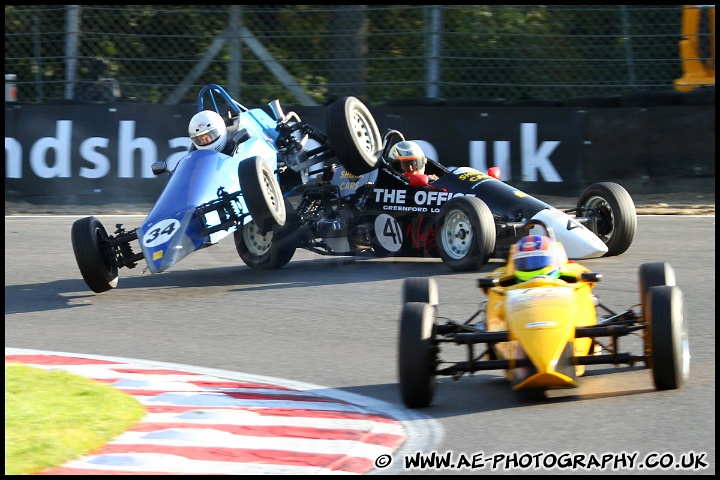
[(538, 223)]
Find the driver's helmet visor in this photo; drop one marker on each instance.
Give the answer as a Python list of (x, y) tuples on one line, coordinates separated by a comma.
[(411, 164), (551, 271), (205, 137)]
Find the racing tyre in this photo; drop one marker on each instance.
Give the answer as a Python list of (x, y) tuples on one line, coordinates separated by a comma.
[(420, 289), (653, 275), (611, 213), (417, 358), (262, 193), (269, 250), (670, 351), (94, 257), (465, 233), (353, 135)]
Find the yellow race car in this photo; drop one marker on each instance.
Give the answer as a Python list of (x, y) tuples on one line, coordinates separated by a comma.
[(541, 330)]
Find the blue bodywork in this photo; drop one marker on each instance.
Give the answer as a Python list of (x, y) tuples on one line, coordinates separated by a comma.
[(202, 203)]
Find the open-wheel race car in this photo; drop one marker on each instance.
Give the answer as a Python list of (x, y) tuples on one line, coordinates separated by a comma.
[(543, 331), (281, 184), (464, 217), (228, 177)]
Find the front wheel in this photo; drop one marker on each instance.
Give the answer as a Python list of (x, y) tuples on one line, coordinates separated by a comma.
[(267, 250), (420, 289), (465, 233), (670, 351), (653, 275), (353, 134), (611, 213), (94, 256), (417, 354), (262, 193)]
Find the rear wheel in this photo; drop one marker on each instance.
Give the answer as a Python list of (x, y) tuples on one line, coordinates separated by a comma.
[(465, 233), (417, 354), (94, 257), (269, 250), (670, 350), (353, 134), (262, 193), (612, 215), (420, 289)]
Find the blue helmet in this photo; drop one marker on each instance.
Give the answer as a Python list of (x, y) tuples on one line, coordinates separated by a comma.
[(535, 256)]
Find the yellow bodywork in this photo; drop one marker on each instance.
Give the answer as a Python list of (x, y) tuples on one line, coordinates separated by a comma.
[(540, 316)]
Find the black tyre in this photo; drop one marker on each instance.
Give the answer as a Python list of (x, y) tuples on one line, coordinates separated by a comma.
[(670, 351), (612, 215), (353, 135), (653, 275), (417, 354), (94, 257), (465, 233), (269, 250), (420, 289), (262, 193)]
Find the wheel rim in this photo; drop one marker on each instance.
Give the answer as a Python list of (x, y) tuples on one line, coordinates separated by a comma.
[(107, 254), (273, 195), (363, 130), (603, 218), (257, 244), (684, 351), (456, 235)]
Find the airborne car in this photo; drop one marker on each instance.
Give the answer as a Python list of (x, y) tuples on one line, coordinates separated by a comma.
[(210, 194)]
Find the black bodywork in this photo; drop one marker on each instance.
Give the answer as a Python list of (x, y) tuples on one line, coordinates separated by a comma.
[(337, 205)]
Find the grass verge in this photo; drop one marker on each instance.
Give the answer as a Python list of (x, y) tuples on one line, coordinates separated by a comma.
[(53, 416)]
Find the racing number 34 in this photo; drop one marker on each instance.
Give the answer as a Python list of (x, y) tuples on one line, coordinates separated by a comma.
[(161, 233)]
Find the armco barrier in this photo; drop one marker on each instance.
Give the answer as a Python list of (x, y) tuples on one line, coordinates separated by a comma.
[(103, 152)]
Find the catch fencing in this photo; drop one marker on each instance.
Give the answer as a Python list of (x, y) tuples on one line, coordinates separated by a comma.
[(396, 54)]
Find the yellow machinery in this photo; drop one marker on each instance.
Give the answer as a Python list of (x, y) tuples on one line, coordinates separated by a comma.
[(697, 47)]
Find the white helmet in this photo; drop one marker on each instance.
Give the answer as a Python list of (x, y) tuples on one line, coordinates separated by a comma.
[(207, 130), (408, 157)]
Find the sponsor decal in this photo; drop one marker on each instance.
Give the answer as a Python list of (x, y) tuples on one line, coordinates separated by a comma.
[(346, 174), (472, 175), (347, 182), (541, 324), (529, 296), (419, 201), (420, 238)]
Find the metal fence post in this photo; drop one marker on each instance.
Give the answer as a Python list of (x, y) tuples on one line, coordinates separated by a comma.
[(10, 87)]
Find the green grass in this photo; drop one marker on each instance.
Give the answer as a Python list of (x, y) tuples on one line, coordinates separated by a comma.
[(52, 417)]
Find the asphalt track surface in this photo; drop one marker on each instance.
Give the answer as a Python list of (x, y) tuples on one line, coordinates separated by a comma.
[(324, 331)]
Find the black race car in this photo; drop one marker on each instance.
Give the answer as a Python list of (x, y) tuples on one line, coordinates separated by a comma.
[(363, 205)]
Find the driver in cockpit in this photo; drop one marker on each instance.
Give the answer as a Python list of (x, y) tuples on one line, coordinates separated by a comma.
[(208, 130), (407, 157)]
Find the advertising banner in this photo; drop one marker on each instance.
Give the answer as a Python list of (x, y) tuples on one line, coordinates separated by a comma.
[(105, 151)]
